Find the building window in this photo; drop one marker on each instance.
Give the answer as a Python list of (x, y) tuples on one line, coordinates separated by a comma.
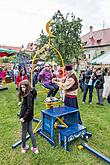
[(102, 52), (85, 43), (99, 41)]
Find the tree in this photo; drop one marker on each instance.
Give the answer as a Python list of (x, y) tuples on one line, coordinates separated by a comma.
[(42, 40), (67, 31)]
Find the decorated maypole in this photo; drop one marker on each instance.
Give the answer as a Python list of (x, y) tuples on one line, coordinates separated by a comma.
[(45, 48)]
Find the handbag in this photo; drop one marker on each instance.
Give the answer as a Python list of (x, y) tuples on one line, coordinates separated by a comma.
[(96, 83)]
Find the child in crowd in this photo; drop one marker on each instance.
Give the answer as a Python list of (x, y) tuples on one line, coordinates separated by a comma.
[(60, 75), (26, 115)]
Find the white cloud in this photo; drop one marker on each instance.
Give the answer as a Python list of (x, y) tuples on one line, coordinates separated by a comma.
[(23, 20)]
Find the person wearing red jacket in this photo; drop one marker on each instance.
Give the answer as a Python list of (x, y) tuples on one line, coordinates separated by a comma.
[(21, 76), (60, 73)]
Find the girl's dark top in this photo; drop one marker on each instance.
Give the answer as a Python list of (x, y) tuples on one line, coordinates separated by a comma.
[(99, 84), (27, 107)]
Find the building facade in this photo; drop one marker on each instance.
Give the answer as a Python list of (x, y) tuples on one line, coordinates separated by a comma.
[(96, 43)]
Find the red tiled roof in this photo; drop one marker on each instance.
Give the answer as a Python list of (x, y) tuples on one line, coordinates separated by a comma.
[(17, 49), (99, 38)]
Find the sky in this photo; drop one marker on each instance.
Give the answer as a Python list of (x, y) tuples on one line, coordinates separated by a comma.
[(21, 21)]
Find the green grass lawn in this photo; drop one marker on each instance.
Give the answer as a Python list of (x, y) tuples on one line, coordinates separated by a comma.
[(96, 118)]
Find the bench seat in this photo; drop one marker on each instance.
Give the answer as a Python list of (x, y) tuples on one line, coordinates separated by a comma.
[(71, 133)]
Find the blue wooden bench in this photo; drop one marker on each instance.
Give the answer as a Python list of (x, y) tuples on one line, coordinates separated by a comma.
[(71, 133)]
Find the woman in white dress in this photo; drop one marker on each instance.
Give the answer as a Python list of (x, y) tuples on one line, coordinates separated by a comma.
[(106, 90)]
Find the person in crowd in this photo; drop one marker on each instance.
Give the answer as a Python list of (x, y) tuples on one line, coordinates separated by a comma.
[(28, 70), (11, 73), (35, 76), (19, 67), (26, 115), (60, 75), (98, 84), (106, 90), (2, 74), (81, 80), (21, 76), (105, 71), (45, 77), (16, 72), (55, 68), (69, 84), (51, 69), (89, 79)]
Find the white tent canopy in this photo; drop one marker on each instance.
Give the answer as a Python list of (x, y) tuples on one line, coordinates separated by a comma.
[(104, 59)]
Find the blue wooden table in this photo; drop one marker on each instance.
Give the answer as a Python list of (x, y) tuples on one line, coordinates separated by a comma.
[(50, 116)]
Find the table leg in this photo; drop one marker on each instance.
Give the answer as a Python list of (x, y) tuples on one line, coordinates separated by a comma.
[(59, 139), (65, 143), (52, 129), (42, 123)]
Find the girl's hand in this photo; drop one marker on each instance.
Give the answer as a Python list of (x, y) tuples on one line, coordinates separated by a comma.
[(54, 79), (22, 120)]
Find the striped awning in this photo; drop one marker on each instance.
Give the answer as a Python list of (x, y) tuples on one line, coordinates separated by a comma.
[(7, 52)]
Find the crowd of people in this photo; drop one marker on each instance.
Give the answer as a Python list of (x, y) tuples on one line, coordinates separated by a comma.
[(95, 78), (91, 78), (60, 79)]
